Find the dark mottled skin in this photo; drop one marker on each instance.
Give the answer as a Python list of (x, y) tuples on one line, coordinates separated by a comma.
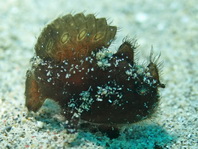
[(69, 73)]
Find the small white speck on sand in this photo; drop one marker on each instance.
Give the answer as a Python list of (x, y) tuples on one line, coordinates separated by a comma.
[(40, 124)]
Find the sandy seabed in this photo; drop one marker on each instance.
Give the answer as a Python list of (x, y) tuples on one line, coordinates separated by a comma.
[(170, 26)]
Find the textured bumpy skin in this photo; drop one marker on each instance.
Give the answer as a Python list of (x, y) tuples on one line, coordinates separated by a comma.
[(74, 67)]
